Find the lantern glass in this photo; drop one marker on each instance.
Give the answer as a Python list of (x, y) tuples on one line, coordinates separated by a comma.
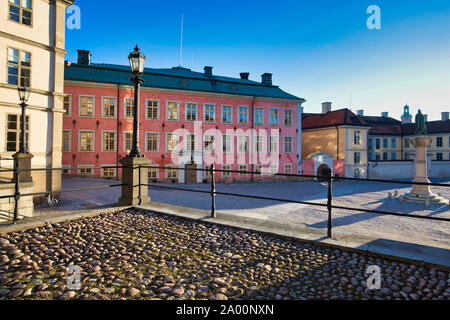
[(137, 61), (24, 93)]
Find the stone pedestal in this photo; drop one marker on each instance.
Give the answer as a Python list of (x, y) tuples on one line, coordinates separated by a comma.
[(132, 177), (24, 161), (422, 193)]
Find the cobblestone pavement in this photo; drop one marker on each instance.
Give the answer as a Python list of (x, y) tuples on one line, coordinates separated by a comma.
[(129, 255)]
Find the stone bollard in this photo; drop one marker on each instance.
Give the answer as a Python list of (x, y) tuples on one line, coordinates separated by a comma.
[(389, 195), (395, 193), (135, 180)]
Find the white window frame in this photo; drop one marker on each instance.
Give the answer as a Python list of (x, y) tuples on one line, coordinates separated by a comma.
[(167, 108), (231, 142), (115, 141), (108, 165), (214, 112), (124, 141), (146, 140), (239, 115), (103, 109), (239, 139), (153, 168), (70, 140), (284, 118), (69, 113), (221, 113), (79, 105), (166, 142), (85, 166), (269, 144), (158, 108), (186, 111), (255, 113), (214, 142), (278, 116), (168, 167), (255, 143), (292, 144), (79, 140), (125, 108), (239, 169), (288, 165), (226, 174)]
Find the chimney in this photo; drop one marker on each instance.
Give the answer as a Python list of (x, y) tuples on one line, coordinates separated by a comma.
[(84, 57), (266, 79), (385, 114), (360, 113), (326, 107), (208, 71), (244, 75), (445, 116)]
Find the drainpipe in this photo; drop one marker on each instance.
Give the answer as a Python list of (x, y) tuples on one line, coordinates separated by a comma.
[(337, 143), (118, 129), (252, 179)]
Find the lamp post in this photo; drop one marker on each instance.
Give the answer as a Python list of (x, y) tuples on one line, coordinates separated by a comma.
[(24, 94), (137, 61)]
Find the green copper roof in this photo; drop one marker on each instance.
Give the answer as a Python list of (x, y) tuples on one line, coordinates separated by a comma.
[(178, 78)]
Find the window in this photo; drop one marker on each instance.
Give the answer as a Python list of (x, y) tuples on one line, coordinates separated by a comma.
[(439, 142), (191, 112), (377, 143), (152, 110), (227, 147), (13, 132), (227, 169), (227, 114), (86, 106), (370, 143), (85, 170), (259, 115), (273, 168), (357, 137), (153, 173), (242, 170), (129, 108), (287, 144), (190, 142), (109, 108), (377, 156), (19, 67), (259, 144), (68, 105), (288, 168), (66, 141), (152, 142), (394, 143), (209, 142), (127, 141), (21, 11), (356, 158), (357, 173), (394, 156), (66, 169), (385, 156), (243, 115), (406, 143), (273, 144), (109, 141), (210, 113), (439, 156), (274, 116), (172, 172), (172, 142), (108, 172), (385, 143), (243, 144), (258, 168), (173, 111), (288, 118), (86, 141)]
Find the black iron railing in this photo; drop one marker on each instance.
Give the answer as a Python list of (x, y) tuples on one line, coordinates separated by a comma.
[(329, 178)]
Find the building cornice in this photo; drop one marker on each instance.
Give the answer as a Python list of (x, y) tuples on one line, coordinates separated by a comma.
[(184, 92), (31, 107), (40, 45), (37, 91)]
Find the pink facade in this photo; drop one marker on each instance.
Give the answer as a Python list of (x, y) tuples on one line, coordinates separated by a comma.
[(74, 123)]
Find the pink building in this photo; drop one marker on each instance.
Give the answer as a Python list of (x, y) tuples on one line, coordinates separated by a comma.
[(235, 123)]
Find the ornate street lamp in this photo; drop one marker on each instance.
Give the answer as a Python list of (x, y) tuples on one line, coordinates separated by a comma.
[(24, 94), (137, 61)]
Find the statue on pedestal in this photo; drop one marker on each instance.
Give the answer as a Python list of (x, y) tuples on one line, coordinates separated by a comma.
[(421, 128)]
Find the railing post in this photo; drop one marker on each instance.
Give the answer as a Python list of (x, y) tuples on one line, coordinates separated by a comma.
[(329, 204), (17, 190), (213, 193)]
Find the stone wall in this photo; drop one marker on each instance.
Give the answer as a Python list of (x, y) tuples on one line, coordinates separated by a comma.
[(7, 204)]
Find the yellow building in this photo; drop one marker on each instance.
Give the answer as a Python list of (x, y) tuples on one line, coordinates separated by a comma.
[(334, 139), (32, 50)]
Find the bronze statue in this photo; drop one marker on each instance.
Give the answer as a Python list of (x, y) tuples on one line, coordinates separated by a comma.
[(421, 129)]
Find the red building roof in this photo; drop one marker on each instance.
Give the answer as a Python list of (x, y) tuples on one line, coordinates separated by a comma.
[(342, 117)]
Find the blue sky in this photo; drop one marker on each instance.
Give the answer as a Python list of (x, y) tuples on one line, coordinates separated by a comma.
[(318, 50)]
